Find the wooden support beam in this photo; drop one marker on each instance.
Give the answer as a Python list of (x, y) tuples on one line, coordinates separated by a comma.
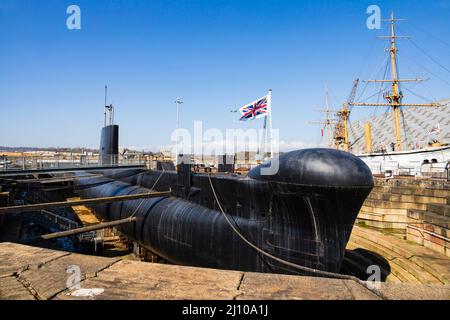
[(74, 232), (82, 202)]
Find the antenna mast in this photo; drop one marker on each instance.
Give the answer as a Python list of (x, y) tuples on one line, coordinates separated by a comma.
[(328, 123), (108, 109), (395, 96)]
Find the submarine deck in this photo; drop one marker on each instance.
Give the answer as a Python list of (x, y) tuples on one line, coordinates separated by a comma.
[(36, 273)]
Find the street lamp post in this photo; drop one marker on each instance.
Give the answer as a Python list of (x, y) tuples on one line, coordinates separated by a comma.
[(178, 101)]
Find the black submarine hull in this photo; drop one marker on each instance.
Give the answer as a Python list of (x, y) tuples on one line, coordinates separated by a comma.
[(304, 213), (109, 145)]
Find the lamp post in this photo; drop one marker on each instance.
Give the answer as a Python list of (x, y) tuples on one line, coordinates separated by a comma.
[(178, 101)]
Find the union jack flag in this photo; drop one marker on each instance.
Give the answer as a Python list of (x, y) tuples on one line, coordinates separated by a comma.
[(256, 109)]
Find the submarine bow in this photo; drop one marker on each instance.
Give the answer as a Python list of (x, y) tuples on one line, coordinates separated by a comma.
[(303, 213)]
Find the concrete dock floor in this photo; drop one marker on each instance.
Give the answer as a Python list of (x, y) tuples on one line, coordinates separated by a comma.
[(35, 273)]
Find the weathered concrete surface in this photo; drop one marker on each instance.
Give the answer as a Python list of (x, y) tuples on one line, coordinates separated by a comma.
[(34, 273), (51, 278), (274, 286), (408, 291), (139, 280), (390, 202), (421, 209)]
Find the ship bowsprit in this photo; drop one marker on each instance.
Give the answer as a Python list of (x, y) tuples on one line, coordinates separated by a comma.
[(302, 213)]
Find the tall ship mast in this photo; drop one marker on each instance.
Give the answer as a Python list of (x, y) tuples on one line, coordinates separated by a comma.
[(395, 159), (395, 96)]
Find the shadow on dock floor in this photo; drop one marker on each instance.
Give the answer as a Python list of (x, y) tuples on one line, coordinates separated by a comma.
[(363, 263)]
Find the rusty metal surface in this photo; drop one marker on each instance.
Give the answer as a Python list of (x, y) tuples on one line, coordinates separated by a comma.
[(91, 201), (35, 273)]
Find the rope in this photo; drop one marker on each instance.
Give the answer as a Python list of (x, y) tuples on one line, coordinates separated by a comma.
[(405, 127), (417, 95), (429, 34), (422, 82), (288, 263), (429, 56), (369, 52)]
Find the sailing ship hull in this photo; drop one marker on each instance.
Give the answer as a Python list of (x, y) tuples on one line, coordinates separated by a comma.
[(412, 162), (304, 213)]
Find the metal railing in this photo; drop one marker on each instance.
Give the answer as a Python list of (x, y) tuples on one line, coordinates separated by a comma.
[(447, 169), (63, 222), (87, 236), (43, 162)]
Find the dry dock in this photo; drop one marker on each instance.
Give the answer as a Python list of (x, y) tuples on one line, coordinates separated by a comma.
[(36, 273)]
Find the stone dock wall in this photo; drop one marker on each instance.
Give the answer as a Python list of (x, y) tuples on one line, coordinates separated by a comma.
[(418, 209)]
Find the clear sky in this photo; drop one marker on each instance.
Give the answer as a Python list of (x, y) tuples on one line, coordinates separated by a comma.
[(214, 54)]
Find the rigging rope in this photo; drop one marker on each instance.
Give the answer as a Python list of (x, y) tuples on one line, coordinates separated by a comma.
[(424, 68), (377, 69), (416, 120), (417, 95), (421, 82), (368, 54), (352, 131), (405, 127), (428, 33), (382, 84)]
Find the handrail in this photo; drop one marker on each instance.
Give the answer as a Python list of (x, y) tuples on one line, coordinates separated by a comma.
[(91, 201), (72, 224)]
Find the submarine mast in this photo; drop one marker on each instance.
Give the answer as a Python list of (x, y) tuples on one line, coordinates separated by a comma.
[(328, 123)]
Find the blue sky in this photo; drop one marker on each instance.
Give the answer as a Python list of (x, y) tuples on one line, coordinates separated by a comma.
[(215, 54)]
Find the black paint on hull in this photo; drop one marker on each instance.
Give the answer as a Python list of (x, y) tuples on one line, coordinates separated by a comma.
[(303, 214)]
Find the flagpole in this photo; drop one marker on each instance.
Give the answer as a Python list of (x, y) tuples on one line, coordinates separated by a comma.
[(264, 136), (178, 102), (269, 101)]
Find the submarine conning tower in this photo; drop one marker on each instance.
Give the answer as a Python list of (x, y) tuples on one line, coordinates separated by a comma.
[(315, 167), (303, 212), (109, 145), (109, 140)]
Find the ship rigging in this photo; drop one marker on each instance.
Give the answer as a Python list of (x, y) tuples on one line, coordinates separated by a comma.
[(399, 157), (394, 98)]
